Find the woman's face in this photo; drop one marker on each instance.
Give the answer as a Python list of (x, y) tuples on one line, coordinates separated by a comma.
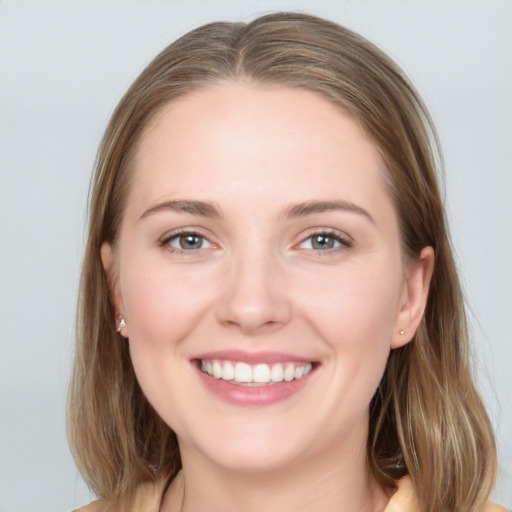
[(260, 274)]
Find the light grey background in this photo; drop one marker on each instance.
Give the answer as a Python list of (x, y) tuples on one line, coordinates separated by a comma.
[(64, 66)]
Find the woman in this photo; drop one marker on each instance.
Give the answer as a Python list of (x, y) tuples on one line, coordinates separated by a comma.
[(270, 314)]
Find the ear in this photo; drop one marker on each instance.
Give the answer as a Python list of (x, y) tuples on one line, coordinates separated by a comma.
[(109, 264), (414, 298)]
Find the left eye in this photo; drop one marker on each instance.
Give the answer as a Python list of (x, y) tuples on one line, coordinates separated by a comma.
[(188, 242), (322, 242)]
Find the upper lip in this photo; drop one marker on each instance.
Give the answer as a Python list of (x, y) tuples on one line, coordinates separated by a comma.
[(264, 357)]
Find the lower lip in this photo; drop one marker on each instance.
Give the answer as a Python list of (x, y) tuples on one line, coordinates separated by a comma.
[(253, 395)]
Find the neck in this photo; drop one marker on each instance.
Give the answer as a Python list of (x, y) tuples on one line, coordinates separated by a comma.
[(331, 483)]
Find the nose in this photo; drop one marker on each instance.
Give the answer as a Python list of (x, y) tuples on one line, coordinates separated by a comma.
[(254, 298)]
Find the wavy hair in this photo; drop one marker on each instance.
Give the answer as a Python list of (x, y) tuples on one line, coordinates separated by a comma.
[(426, 418)]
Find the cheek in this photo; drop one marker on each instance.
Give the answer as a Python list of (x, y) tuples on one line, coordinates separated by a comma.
[(354, 314), (160, 305), (162, 308), (357, 307)]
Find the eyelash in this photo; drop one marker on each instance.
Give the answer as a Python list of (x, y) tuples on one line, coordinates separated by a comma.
[(343, 241), (165, 242)]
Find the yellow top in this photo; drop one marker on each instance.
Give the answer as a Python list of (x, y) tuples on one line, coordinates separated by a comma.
[(149, 497)]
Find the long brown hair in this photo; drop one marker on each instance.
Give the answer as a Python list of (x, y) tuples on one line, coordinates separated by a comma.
[(426, 419)]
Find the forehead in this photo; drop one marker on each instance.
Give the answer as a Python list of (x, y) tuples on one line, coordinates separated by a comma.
[(245, 139)]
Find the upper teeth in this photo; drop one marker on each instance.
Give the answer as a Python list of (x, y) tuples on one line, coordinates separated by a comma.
[(258, 373)]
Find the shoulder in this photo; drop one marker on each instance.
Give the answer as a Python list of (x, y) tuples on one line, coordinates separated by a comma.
[(405, 500), (147, 498), (95, 506), (493, 507)]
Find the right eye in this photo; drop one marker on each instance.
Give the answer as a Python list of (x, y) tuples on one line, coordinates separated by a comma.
[(186, 241), (322, 242)]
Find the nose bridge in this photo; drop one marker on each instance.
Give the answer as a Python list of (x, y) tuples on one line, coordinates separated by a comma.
[(254, 297)]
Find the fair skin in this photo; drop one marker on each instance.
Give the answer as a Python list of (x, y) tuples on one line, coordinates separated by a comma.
[(258, 229)]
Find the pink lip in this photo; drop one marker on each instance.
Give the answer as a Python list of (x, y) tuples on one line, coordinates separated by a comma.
[(252, 395), (252, 357)]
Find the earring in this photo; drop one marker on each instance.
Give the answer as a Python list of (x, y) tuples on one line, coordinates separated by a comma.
[(121, 324), (402, 332)]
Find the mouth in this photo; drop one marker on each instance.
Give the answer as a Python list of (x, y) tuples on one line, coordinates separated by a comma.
[(262, 378), (254, 375)]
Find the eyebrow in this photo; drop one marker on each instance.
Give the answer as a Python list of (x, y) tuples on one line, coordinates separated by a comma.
[(202, 208), (312, 207), (210, 209)]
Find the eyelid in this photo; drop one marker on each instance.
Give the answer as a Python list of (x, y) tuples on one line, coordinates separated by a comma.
[(164, 241), (345, 240)]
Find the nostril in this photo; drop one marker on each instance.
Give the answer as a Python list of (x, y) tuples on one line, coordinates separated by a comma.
[(253, 325), (253, 298)]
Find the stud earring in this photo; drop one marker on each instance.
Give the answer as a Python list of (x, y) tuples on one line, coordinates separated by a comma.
[(402, 331), (121, 324)]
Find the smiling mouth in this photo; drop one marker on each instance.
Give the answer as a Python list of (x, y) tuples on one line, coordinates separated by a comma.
[(244, 374)]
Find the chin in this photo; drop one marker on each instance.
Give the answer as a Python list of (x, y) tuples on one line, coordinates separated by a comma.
[(254, 461), (254, 453)]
